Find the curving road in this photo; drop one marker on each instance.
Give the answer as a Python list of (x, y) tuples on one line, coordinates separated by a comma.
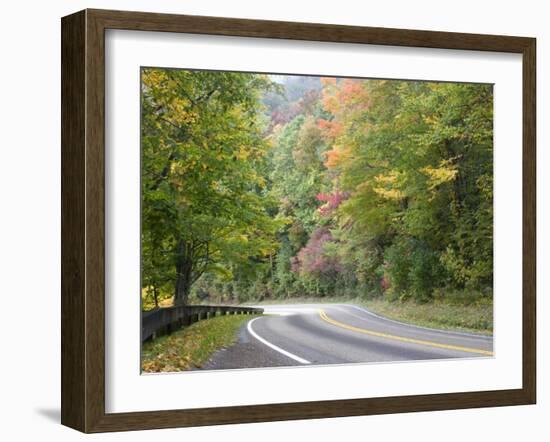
[(307, 334)]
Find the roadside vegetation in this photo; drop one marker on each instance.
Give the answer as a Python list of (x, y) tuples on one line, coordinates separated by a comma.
[(260, 188), (191, 347), (476, 317), (465, 314)]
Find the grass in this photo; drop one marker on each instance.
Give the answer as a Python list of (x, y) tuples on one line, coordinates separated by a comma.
[(192, 346), (438, 314), (465, 316)]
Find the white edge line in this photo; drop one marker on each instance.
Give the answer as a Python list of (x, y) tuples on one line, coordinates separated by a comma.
[(273, 346), (445, 332)]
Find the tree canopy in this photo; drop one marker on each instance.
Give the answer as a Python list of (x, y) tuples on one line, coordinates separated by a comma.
[(256, 187)]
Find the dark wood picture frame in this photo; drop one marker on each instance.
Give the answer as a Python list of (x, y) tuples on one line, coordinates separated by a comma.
[(83, 220)]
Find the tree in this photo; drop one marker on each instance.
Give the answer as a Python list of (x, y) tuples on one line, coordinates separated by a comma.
[(314, 186), (416, 160), (202, 195)]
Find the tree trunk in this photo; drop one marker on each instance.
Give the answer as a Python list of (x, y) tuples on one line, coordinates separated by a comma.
[(184, 269), (156, 296), (182, 289)]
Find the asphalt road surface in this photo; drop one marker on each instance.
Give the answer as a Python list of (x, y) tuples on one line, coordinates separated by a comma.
[(320, 334)]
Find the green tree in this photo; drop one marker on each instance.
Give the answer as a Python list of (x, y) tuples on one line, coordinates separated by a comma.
[(202, 147), (416, 159)]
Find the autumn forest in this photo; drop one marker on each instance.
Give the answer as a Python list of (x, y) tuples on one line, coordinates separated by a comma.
[(263, 187)]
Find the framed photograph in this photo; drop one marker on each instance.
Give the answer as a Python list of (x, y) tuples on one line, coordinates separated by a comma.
[(267, 221)]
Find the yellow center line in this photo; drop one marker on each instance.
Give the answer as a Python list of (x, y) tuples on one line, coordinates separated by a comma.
[(324, 317)]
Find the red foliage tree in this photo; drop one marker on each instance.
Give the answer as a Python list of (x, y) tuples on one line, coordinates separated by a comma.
[(313, 258), (332, 201)]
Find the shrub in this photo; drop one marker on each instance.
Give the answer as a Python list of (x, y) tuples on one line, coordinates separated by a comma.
[(413, 269)]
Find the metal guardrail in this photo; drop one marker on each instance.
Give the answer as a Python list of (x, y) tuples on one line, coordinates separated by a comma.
[(162, 321)]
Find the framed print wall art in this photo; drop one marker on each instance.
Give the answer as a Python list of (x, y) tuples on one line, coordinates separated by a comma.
[(266, 221)]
